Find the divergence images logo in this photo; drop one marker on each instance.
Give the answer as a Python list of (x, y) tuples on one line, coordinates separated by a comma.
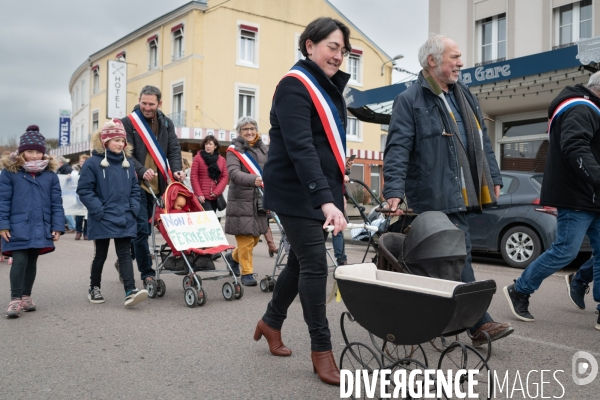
[(584, 364)]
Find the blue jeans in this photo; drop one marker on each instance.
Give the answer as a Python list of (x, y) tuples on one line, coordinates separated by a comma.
[(571, 227), (70, 222), (81, 224), (141, 251), (585, 275), (339, 247), (467, 275)]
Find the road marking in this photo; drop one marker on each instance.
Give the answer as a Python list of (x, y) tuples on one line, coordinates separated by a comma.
[(551, 344)]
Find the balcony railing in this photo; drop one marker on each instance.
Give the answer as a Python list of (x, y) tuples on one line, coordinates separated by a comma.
[(178, 118)]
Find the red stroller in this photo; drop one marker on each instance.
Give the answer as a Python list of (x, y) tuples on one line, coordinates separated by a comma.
[(169, 260)]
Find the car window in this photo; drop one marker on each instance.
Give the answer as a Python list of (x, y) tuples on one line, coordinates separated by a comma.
[(506, 182), (536, 180)]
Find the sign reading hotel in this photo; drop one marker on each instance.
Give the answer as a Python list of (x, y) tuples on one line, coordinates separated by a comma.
[(64, 126), (116, 98), (194, 230)]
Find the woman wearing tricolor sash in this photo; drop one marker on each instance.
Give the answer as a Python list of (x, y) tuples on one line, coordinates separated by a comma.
[(303, 184)]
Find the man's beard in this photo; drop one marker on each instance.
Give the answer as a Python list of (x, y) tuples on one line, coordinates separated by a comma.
[(437, 72)]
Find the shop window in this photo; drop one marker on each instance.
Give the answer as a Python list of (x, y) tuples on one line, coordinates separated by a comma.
[(375, 180), (492, 39), (573, 22), (524, 145)]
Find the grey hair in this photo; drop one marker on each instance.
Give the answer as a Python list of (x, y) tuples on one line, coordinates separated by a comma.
[(61, 159), (151, 90), (243, 121), (594, 82), (435, 47)]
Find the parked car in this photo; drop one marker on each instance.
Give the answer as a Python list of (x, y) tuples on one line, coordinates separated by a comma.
[(518, 227)]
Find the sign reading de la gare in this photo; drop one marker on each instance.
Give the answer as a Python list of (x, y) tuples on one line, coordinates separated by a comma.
[(194, 230), (116, 98)]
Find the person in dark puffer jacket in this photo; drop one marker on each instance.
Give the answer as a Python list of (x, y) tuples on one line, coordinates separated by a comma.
[(108, 188)]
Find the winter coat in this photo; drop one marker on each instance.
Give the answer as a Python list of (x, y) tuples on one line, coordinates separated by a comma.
[(64, 169), (421, 162), (30, 207), (572, 172), (242, 216), (302, 173), (201, 182), (110, 194), (168, 141)]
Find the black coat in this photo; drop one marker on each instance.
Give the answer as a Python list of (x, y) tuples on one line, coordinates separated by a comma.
[(301, 172), (572, 173), (167, 139)]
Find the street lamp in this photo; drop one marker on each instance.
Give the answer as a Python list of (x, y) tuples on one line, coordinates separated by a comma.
[(393, 61)]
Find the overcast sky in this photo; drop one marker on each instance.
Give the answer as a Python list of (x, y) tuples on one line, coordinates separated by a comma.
[(43, 42)]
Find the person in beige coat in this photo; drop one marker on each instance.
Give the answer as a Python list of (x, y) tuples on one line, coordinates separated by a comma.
[(243, 219)]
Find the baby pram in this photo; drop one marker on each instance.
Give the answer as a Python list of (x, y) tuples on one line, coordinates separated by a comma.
[(403, 310), (190, 262)]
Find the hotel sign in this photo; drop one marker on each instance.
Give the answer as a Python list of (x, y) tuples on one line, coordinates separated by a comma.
[(116, 97), (64, 128)]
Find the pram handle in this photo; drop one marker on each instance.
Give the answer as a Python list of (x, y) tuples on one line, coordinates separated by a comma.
[(352, 226), (389, 211)]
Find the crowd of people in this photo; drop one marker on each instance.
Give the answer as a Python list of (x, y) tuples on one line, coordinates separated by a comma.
[(438, 157)]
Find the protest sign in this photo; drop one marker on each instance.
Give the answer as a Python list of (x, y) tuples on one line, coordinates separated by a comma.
[(196, 230), (71, 203)]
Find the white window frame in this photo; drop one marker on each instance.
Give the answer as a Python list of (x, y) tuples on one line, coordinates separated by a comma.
[(96, 80), (153, 48), (96, 122), (499, 140), (495, 39), (356, 80), (174, 84), (77, 103), (175, 37), (82, 93), (358, 137), (82, 132), (297, 53), (239, 88), (245, 63), (575, 23)]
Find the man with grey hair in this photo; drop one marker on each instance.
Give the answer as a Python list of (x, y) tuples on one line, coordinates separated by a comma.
[(160, 129), (572, 185), (439, 156)]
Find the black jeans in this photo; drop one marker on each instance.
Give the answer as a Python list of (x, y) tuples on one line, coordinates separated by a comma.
[(140, 248), (123, 250), (22, 272), (209, 205), (305, 274), (81, 224), (460, 220)]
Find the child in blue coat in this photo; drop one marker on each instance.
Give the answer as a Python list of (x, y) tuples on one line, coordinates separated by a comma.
[(31, 214), (108, 188)]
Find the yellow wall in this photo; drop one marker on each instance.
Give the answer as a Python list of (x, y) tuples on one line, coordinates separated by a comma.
[(209, 69)]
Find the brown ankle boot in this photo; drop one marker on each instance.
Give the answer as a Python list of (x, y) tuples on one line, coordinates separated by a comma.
[(270, 242), (324, 365), (273, 338)]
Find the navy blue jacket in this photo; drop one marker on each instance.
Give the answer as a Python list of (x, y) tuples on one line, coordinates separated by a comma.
[(418, 160), (111, 195), (301, 172), (30, 207)]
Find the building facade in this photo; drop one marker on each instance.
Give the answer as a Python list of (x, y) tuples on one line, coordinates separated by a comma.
[(216, 61)]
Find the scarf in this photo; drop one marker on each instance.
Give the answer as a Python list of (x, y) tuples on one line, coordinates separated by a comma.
[(211, 160), (33, 167), (252, 143), (476, 180)]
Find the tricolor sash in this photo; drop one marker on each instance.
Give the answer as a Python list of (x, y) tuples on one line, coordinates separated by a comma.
[(247, 161), (330, 118), (565, 105), (145, 132)]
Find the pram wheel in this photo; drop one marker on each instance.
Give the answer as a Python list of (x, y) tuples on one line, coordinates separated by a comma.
[(264, 285), (239, 291), (161, 288), (191, 297), (272, 285), (151, 287), (189, 281), (201, 297), (460, 356), (394, 353), (228, 291), (441, 342), (407, 364), (359, 356)]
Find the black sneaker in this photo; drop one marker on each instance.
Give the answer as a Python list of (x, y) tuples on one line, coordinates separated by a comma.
[(135, 296), (576, 293), (598, 321), (518, 303), (248, 280), (95, 296), (233, 264)]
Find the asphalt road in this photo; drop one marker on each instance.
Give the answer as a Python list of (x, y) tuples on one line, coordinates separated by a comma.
[(72, 349)]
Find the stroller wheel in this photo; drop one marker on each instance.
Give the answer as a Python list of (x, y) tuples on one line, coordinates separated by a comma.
[(189, 281), (272, 285), (191, 297), (239, 291), (228, 291), (264, 285), (151, 287), (359, 356), (201, 297), (441, 342), (398, 352), (161, 288), (460, 356)]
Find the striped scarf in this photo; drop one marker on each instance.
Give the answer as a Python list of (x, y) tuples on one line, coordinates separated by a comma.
[(476, 180)]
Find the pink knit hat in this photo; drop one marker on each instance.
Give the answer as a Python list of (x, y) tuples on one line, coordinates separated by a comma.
[(111, 130)]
